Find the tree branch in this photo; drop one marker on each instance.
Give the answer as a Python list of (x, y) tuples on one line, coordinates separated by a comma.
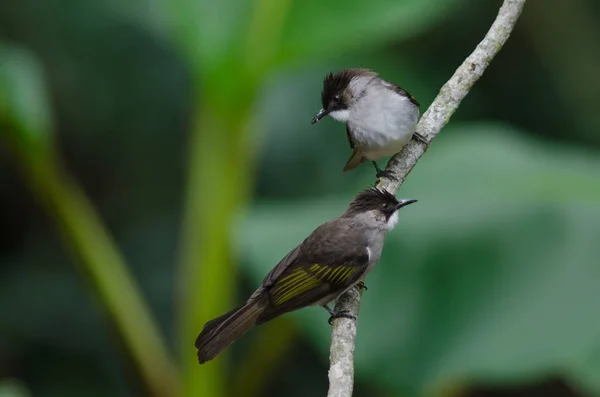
[(343, 335)]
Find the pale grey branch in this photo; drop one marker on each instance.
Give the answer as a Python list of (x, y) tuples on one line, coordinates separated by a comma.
[(341, 356)]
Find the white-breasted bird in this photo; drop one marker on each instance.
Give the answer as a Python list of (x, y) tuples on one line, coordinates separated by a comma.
[(380, 116)]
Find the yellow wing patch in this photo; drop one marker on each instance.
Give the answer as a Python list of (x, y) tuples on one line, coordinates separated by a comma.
[(302, 280)]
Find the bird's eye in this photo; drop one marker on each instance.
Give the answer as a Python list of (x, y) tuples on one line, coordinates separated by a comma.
[(336, 98)]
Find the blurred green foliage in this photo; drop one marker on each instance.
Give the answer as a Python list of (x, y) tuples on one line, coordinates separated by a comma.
[(495, 286), (186, 123), (24, 106)]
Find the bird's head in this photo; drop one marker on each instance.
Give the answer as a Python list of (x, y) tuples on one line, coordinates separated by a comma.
[(378, 204), (340, 91)]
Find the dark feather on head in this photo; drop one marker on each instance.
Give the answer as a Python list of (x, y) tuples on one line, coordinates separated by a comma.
[(334, 84), (374, 199)]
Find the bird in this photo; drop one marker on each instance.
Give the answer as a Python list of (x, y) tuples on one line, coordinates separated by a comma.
[(380, 116), (332, 259)]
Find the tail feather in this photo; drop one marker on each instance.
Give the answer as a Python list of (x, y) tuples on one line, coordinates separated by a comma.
[(355, 159), (219, 333)]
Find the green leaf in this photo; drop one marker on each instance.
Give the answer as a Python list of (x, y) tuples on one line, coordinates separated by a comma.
[(24, 106), (13, 388), (585, 372), (247, 35), (493, 275), (332, 27), (208, 31)]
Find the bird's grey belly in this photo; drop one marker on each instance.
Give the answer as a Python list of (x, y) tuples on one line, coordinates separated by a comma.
[(378, 136), (376, 144)]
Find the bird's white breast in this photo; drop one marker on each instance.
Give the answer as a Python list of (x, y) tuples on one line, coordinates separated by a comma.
[(382, 122), (393, 221), (340, 115)]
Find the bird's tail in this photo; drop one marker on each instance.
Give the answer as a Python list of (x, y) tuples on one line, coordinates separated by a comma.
[(219, 333), (355, 159)]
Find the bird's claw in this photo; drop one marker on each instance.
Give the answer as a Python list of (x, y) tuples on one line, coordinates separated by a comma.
[(341, 314), (386, 174), (383, 173), (361, 286)]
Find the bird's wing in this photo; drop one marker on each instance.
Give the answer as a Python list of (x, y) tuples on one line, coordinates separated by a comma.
[(401, 91), (320, 267), (349, 135), (354, 161), (356, 158), (309, 279)]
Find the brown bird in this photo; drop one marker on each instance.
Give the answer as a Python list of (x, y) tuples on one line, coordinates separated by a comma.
[(331, 260)]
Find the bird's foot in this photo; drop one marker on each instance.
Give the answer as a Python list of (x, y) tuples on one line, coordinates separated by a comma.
[(361, 286), (341, 314), (331, 312), (383, 173), (420, 138), (386, 174)]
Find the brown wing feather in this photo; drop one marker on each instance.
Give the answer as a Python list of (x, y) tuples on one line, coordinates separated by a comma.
[(356, 158), (322, 246), (402, 91), (306, 278), (349, 136), (307, 286), (318, 268)]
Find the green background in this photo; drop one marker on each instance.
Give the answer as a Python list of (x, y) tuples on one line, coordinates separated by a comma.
[(157, 159)]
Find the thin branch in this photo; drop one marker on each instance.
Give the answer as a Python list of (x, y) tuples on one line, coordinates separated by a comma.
[(341, 370), (341, 352)]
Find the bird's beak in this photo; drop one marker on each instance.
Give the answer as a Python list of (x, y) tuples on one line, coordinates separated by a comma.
[(322, 113), (405, 202)]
